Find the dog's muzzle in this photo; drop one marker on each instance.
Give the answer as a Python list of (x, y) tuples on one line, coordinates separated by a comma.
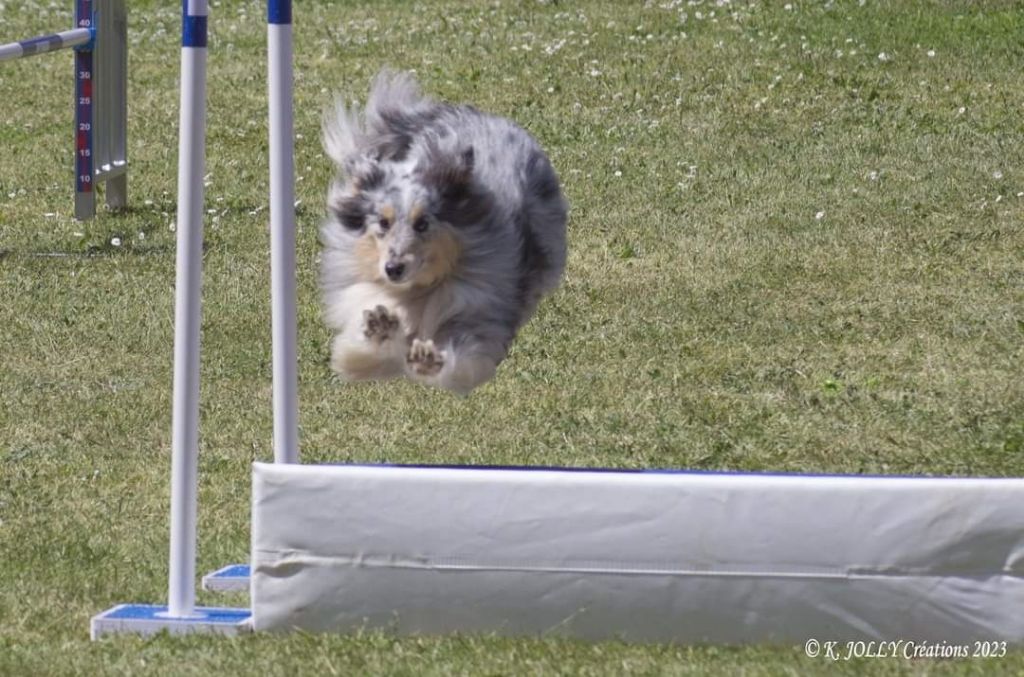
[(394, 271)]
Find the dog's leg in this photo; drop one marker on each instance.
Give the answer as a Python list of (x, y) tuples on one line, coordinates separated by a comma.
[(425, 359), (459, 370), (380, 325), (371, 341), (359, 359)]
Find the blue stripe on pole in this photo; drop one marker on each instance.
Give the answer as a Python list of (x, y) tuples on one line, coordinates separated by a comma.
[(193, 23), (44, 43), (193, 31), (279, 11)]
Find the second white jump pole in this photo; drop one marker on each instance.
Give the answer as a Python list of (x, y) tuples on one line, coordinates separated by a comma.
[(282, 231), (188, 298)]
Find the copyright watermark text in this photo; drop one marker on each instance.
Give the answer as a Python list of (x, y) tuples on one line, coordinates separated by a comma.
[(901, 649)]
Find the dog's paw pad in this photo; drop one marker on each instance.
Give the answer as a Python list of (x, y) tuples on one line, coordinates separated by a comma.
[(424, 357), (378, 324)]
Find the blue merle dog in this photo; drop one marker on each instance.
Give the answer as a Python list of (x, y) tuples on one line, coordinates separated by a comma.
[(445, 228)]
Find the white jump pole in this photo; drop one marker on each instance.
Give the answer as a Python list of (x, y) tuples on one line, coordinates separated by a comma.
[(282, 260), (181, 615), (282, 231), (185, 417)]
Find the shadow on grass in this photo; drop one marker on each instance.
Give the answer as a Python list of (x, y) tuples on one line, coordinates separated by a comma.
[(91, 251)]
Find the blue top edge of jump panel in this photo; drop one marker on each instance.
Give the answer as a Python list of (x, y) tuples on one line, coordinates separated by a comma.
[(152, 611), (193, 24), (658, 471), (279, 11), (232, 571)]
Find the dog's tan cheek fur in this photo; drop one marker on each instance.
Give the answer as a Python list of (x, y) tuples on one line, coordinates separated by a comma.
[(367, 257), (443, 253)]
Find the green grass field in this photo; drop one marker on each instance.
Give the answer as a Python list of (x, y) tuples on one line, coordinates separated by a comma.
[(796, 245)]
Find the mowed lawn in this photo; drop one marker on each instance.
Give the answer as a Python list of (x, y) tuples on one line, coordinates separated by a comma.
[(795, 245)]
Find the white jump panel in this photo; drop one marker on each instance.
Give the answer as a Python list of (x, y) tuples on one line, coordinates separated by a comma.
[(721, 558)]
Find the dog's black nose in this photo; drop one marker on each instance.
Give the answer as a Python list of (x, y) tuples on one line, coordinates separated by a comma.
[(394, 270)]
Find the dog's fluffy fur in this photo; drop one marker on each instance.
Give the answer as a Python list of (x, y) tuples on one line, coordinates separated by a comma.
[(445, 228)]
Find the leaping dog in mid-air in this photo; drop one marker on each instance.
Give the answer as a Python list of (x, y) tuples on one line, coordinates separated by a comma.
[(444, 231)]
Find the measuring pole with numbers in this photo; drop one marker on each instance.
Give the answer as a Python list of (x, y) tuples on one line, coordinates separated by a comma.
[(85, 196)]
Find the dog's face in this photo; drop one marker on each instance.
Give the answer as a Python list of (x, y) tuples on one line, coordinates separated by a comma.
[(406, 241), (405, 217)]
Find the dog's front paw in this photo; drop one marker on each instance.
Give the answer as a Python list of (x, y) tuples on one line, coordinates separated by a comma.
[(424, 357), (379, 325)]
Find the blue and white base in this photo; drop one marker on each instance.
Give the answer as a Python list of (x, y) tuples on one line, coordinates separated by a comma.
[(232, 578), (149, 619)]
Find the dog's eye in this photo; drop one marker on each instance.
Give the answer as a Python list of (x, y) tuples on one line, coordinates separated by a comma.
[(421, 224), (384, 223)]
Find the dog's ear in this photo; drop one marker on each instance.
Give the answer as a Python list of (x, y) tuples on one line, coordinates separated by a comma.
[(464, 202), (342, 132), (449, 171), (345, 143), (364, 171)]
